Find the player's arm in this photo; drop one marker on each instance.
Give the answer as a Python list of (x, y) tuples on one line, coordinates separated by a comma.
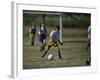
[(42, 32), (51, 34)]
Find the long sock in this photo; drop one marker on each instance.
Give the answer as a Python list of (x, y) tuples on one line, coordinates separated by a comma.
[(59, 54)]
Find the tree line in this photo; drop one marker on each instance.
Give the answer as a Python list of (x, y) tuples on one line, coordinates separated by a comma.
[(69, 20)]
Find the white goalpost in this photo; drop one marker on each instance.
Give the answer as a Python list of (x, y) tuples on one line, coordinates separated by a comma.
[(48, 13)]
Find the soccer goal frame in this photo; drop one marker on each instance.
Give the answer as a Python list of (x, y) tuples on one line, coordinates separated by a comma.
[(48, 13)]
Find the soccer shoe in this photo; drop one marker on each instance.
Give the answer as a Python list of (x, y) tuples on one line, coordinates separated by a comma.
[(44, 54)]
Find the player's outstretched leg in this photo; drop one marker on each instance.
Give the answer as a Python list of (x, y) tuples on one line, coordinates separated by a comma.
[(46, 51)]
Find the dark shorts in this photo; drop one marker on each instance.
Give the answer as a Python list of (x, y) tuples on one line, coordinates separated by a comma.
[(42, 38)]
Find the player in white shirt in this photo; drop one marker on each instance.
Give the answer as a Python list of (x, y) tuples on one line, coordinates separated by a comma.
[(89, 37), (54, 40), (88, 61)]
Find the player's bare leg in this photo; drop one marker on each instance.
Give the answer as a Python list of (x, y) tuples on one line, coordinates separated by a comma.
[(46, 51)]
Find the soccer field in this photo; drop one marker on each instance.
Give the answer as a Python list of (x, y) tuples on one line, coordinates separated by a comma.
[(73, 51)]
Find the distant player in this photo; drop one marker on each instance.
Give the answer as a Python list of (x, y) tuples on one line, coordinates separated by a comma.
[(89, 37), (42, 37), (88, 61), (32, 32), (54, 40)]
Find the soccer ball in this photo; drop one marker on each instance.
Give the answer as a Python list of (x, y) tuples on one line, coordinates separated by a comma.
[(50, 57)]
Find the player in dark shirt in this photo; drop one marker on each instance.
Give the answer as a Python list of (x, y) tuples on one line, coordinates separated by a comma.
[(32, 32), (42, 37)]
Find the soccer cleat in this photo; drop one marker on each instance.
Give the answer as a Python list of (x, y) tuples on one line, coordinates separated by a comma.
[(44, 54)]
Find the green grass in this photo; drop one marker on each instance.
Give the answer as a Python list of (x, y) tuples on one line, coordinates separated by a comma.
[(74, 53)]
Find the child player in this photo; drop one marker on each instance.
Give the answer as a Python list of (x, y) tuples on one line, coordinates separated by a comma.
[(88, 61), (42, 37), (32, 32), (54, 40), (89, 37)]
